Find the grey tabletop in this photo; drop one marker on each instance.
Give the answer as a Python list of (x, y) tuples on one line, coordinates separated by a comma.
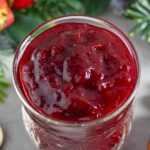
[(16, 137)]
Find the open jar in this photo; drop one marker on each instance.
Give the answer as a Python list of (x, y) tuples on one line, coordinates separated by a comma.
[(105, 133)]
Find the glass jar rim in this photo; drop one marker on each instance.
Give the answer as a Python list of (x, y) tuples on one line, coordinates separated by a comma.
[(72, 18)]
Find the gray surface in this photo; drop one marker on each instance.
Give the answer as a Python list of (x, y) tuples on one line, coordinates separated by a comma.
[(16, 137)]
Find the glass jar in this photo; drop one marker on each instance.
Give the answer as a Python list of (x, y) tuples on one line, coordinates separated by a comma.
[(107, 133)]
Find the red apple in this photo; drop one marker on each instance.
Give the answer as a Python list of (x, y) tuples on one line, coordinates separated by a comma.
[(6, 15)]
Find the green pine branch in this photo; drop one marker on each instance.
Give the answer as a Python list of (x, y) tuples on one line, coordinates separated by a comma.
[(3, 83), (46, 9), (140, 13), (5, 49)]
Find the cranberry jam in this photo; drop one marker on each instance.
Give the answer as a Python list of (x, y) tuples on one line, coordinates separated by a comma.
[(76, 77), (77, 72)]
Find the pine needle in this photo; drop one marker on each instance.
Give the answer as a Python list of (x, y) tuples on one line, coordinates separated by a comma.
[(140, 13)]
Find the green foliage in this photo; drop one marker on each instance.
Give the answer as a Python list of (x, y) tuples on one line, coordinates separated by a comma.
[(5, 49), (46, 9), (3, 84), (95, 7), (22, 25), (140, 12), (54, 8), (6, 44)]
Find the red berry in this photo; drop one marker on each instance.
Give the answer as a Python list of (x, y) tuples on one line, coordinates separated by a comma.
[(20, 4)]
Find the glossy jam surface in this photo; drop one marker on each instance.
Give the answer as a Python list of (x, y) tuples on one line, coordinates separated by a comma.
[(77, 72)]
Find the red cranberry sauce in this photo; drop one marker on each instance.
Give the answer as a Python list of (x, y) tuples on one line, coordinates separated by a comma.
[(77, 72)]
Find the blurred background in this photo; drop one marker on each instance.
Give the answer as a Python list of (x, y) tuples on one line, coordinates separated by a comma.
[(19, 17)]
